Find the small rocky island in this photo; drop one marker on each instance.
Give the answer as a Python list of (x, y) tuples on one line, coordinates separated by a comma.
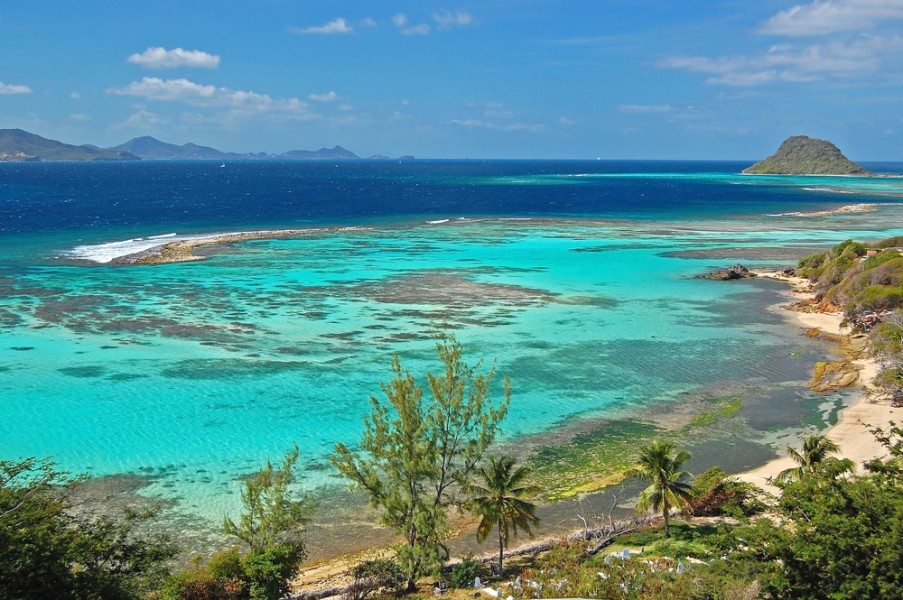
[(802, 155)]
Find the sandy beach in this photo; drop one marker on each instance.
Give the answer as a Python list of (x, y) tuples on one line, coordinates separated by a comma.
[(871, 409)]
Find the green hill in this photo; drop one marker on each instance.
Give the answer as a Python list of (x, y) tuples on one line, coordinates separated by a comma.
[(802, 155), (17, 145)]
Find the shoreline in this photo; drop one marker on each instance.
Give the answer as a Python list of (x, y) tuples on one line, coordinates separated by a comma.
[(852, 432)]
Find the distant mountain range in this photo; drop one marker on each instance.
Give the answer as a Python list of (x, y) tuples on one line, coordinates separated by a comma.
[(17, 145)]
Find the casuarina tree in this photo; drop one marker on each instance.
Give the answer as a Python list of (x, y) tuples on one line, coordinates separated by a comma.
[(419, 449)]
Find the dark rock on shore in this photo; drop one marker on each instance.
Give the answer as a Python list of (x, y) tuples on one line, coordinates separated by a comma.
[(735, 272)]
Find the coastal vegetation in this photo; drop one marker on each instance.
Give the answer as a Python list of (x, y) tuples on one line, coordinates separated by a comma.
[(866, 283), (661, 465), (499, 501), (418, 452), (817, 452), (53, 547), (802, 155)]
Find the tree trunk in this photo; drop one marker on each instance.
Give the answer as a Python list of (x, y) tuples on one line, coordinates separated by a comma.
[(501, 550)]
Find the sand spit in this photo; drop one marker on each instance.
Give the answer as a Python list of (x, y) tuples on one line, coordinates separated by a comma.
[(871, 409), (843, 210), (184, 250)]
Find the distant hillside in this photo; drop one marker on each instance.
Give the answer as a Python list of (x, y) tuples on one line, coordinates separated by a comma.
[(151, 148), (148, 147), (17, 145), (802, 155), (323, 153)]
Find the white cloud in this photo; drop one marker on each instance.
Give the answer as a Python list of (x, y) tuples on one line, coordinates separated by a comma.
[(336, 26), (403, 24), (75, 95), (161, 58), (821, 17), (327, 97), (857, 58), (446, 19), (79, 117), (478, 124), (644, 109), (195, 94), (9, 89), (141, 119)]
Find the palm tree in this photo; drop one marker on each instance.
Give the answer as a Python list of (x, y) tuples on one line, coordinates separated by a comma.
[(817, 452), (661, 465), (499, 501)]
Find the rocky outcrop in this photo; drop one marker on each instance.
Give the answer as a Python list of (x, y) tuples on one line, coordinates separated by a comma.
[(735, 272)]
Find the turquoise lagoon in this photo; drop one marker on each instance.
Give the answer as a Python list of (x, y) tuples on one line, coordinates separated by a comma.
[(190, 376)]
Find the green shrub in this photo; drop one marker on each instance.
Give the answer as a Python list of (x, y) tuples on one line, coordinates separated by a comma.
[(225, 565), (849, 248), (193, 585), (268, 572), (717, 494), (879, 259), (378, 573), (463, 573), (879, 297), (230, 576), (893, 242)]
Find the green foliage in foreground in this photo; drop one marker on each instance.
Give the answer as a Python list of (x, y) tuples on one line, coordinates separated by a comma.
[(231, 575), (417, 449), (273, 515), (499, 501), (373, 575), (816, 456), (48, 551), (718, 494), (661, 465), (465, 572), (839, 539), (271, 525)]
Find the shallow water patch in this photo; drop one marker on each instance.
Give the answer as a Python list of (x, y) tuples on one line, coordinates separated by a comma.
[(84, 372), (230, 368)]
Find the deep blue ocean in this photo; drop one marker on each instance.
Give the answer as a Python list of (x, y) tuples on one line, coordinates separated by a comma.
[(575, 278), (90, 197)]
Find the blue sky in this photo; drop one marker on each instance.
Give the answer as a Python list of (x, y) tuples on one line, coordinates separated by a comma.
[(683, 79)]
